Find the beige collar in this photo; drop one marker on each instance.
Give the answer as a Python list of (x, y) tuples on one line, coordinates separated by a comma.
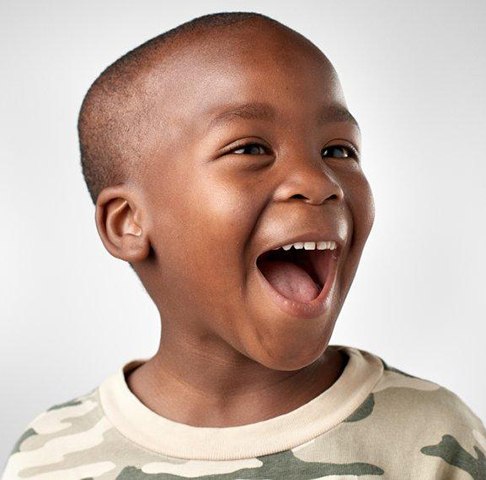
[(159, 434)]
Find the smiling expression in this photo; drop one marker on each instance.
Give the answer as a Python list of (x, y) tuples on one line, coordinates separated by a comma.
[(253, 147)]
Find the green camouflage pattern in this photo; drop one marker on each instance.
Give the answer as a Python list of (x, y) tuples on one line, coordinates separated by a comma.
[(407, 428)]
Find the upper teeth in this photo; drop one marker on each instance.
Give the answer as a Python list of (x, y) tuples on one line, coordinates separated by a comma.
[(330, 245)]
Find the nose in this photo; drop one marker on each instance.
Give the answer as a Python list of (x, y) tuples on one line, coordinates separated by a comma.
[(310, 179)]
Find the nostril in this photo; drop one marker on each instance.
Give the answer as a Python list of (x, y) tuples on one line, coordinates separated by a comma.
[(330, 197)]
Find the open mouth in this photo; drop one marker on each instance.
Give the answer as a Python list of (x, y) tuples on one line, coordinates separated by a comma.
[(297, 274)]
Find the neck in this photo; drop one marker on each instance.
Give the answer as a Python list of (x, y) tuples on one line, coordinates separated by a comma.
[(198, 387)]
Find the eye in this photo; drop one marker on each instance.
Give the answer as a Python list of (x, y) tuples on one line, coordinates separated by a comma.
[(250, 149), (339, 151)]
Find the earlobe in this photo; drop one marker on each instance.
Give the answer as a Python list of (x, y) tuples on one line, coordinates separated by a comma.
[(119, 226)]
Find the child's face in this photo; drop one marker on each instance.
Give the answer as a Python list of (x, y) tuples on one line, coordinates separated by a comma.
[(213, 207)]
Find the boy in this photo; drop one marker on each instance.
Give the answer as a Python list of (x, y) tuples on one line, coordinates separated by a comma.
[(225, 169)]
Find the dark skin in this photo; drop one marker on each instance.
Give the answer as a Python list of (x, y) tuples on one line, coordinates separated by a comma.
[(205, 209)]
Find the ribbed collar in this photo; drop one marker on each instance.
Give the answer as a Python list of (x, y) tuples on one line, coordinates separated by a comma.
[(159, 434)]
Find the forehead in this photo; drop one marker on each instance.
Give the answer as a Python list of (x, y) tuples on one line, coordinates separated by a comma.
[(250, 74), (264, 65)]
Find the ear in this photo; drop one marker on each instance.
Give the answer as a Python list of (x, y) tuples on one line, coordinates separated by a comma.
[(119, 223)]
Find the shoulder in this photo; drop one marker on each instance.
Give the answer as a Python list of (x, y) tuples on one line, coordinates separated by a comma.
[(424, 398), (76, 424), (431, 421)]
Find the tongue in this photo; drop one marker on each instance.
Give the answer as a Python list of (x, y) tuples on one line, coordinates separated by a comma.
[(290, 280)]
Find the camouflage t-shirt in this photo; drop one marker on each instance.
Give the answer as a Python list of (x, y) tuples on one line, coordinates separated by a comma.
[(373, 422)]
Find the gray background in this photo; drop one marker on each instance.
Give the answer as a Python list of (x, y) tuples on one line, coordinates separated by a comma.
[(413, 74)]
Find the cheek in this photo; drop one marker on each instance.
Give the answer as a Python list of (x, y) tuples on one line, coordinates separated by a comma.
[(227, 205), (217, 218), (224, 212), (362, 206), (359, 200)]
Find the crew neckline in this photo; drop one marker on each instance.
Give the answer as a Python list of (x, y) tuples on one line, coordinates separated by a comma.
[(159, 434)]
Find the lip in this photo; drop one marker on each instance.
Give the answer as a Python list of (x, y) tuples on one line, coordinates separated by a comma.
[(305, 310)]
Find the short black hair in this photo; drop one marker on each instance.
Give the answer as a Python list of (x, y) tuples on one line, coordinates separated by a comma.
[(109, 117)]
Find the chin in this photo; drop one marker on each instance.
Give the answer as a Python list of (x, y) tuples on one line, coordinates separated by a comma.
[(290, 356)]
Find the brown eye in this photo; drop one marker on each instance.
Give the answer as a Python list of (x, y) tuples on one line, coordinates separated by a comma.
[(250, 149), (338, 151)]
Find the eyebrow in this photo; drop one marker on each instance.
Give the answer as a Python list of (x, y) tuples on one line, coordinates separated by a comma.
[(264, 111), (338, 114)]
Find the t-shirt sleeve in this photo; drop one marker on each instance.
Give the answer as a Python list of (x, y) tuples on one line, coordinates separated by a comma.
[(459, 447), (41, 442), (11, 467)]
